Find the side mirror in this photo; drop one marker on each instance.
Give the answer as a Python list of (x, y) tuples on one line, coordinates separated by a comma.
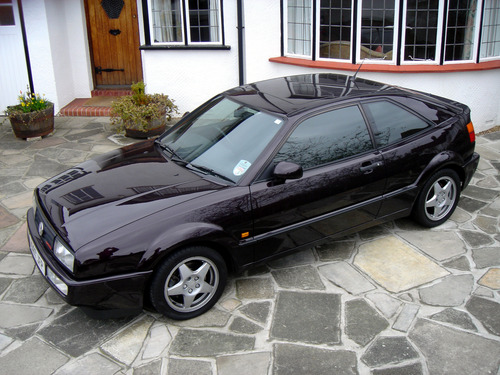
[(286, 170)]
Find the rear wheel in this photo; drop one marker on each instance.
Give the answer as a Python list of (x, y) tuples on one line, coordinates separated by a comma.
[(188, 283), (438, 199)]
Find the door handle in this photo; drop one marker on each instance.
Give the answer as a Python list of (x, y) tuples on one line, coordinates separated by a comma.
[(368, 167)]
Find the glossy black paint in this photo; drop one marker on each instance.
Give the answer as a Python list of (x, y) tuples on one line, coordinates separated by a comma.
[(123, 212)]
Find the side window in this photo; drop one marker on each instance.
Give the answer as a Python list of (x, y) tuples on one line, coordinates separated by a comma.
[(392, 123), (431, 111), (327, 137)]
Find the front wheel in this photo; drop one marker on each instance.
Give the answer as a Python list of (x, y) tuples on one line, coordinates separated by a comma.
[(438, 199), (188, 283)]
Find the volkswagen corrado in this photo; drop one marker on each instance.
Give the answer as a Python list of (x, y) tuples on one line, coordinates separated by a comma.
[(255, 173)]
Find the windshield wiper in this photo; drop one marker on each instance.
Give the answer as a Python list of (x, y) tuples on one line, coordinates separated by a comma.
[(207, 170), (174, 157)]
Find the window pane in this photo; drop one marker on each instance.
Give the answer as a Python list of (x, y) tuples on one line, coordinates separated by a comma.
[(327, 137), (421, 30), (490, 43), (299, 27), (377, 29), (6, 13), (335, 29), (204, 20), (392, 123), (460, 30), (167, 21)]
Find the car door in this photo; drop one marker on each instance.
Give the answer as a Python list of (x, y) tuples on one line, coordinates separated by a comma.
[(408, 144), (340, 189)]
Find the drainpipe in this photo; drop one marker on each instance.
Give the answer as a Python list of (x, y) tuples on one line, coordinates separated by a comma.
[(241, 43), (26, 50)]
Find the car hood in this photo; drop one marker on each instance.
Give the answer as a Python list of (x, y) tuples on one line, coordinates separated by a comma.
[(116, 189)]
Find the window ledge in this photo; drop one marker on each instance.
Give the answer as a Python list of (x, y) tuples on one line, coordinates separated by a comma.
[(183, 47), (448, 68)]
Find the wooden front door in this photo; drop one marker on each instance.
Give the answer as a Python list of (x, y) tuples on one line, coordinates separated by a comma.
[(114, 39)]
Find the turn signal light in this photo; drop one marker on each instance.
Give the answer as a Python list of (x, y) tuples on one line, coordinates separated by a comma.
[(472, 134)]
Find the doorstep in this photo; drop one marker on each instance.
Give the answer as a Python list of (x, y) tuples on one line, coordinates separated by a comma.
[(98, 105)]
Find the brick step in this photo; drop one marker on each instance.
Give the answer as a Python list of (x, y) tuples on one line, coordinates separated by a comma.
[(94, 106)]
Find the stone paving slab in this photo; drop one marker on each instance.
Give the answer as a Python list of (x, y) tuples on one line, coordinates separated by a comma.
[(394, 299), (395, 265)]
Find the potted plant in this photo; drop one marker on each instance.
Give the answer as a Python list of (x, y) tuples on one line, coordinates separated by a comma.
[(32, 117), (142, 115)]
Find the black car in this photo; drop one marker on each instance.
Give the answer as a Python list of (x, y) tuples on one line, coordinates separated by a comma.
[(254, 173)]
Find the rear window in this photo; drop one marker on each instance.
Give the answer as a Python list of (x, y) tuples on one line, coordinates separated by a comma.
[(392, 123), (432, 111)]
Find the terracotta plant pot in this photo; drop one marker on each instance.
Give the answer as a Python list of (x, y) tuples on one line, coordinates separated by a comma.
[(33, 124)]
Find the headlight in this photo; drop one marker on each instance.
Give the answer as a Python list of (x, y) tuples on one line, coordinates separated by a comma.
[(64, 255)]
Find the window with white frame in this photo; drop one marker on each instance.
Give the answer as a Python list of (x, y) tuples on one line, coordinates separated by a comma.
[(376, 32), (460, 30), (335, 29), (393, 31), (421, 42), (185, 22)]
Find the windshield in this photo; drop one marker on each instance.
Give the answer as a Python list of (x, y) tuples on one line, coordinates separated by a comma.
[(224, 140)]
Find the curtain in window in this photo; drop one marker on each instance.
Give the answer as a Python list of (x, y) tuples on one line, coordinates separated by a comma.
[(490, 43), (469, 34), (166, 21), (214, 20), (299, 27)]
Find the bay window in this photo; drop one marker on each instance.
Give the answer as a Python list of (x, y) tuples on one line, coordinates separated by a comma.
[(184, 22), (393, 31)]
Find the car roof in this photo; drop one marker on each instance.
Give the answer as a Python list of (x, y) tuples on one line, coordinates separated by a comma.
[(295, 94)]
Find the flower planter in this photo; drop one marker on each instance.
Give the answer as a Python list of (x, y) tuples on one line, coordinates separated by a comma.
[(154, 128), (139, 134), (33, 124)]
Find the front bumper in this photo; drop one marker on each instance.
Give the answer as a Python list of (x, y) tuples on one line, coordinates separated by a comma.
[(122, 293)]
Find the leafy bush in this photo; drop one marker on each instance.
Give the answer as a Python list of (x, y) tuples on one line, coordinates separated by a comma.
[(141, 111)]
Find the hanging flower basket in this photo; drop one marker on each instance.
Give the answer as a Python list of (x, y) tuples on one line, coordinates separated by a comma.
[(32, 124)]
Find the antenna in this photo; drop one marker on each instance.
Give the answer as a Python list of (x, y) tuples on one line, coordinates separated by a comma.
[(353, 78)]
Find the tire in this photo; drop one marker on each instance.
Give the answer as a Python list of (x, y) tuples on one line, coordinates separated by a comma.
[(188, 282), (438, 199)]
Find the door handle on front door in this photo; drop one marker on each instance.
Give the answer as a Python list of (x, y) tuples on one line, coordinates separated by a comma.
[(368, 167)]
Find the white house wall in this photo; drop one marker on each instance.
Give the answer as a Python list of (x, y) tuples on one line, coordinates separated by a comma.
[(57, 41)]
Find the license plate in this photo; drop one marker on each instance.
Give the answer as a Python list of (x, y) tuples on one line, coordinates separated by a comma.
[(40, 263)]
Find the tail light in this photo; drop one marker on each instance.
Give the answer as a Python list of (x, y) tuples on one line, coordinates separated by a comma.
[(472, 134)]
